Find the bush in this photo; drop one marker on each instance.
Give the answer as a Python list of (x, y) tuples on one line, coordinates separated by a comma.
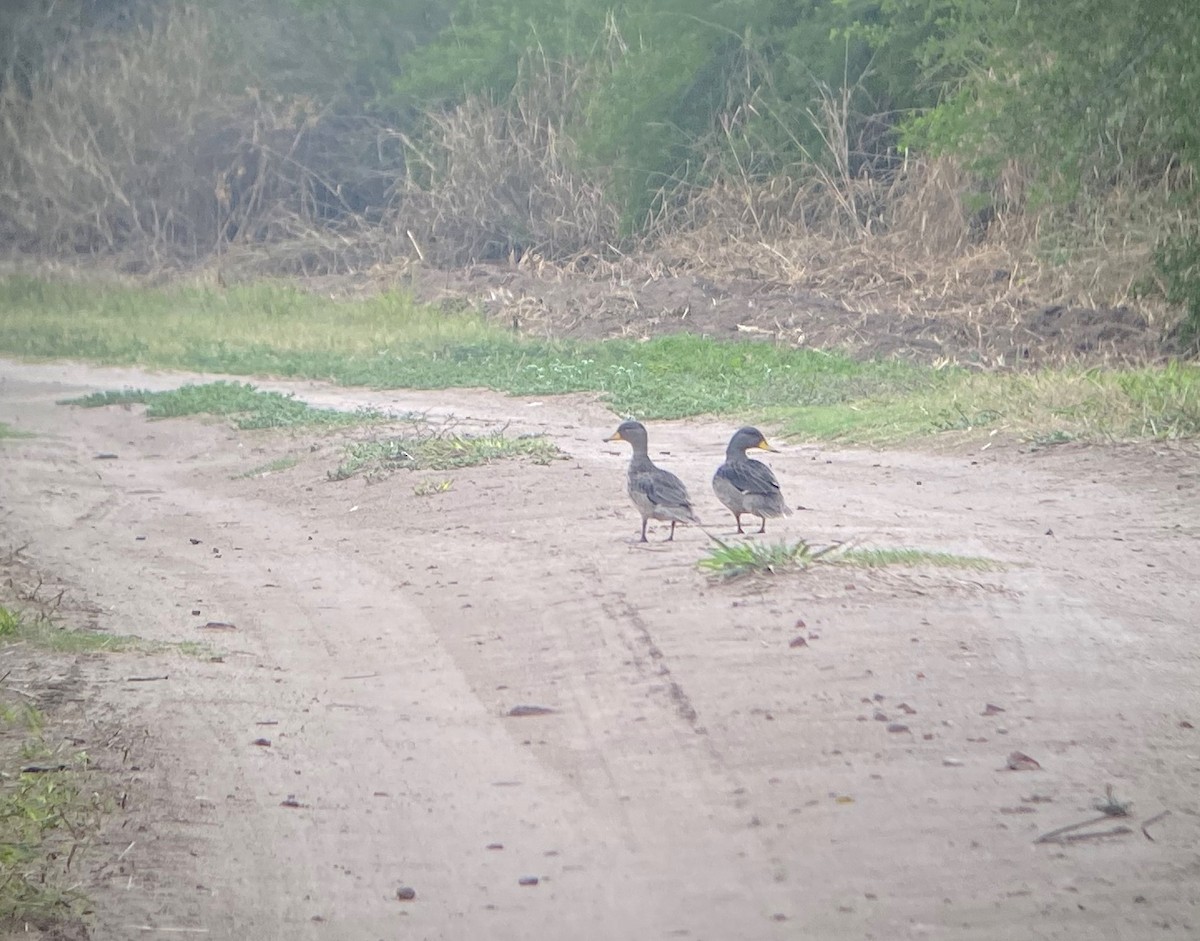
[(138, 144)]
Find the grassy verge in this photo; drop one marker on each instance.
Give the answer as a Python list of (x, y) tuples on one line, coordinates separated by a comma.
[(387, 341)]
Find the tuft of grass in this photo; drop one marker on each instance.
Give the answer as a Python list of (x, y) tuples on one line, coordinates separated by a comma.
[(737, 560), (880, 558), (427, 488), (390, 341), (40, 631), (245, 405), (286, 462), (46, 814), (8, 431), (440, 452)]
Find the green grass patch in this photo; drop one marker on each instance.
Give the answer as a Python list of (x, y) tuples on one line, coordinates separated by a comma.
[(8, 431), (1046, 408), (390, 341), (41, 631), (244, 405), (881, 558), (440, 452), (729, 560), (46, 813), (739, 559), (287, 462)]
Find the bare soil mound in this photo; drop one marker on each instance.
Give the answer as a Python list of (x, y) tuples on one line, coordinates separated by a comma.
[(985, 333)]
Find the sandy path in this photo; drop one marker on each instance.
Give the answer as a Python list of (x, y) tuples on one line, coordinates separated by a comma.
[(698, 778)]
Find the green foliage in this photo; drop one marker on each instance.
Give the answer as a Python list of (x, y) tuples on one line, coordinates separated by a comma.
[(656, 82), (1178, 260), (8, 431), (430, 451), (387, 342), (1080, 90), (737, 560), (880, 558), (248, 407)]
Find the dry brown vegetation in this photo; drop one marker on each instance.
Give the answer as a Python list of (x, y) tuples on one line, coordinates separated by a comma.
[(138, 153)]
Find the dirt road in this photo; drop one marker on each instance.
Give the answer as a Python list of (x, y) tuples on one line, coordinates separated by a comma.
[(698, 777)]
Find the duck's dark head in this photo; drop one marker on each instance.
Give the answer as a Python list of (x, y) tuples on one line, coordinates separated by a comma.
[(746, 438), (632, 431)]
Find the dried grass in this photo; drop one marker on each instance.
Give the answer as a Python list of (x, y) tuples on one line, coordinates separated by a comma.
[(132, 145), (499, 180), (925, 249)]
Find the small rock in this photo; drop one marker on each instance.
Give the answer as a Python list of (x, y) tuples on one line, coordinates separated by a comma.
[(1019, 761), (880, 717), (952, 762), (406, 893), (897, 727), (262, 742), (528, 880), (518, 712), (798, 642), (991, 710)]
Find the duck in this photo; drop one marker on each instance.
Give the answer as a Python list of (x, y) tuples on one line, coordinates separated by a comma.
[(748, 486), (657, 493)]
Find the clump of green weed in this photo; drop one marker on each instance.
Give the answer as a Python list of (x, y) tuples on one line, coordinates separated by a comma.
[(46, 814), (440, 452), (737, 560), (245, 405), (427, 488), (880, 558)]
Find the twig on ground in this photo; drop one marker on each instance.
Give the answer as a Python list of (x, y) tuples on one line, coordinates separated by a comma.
[(1153, 820), (1060, 835)]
